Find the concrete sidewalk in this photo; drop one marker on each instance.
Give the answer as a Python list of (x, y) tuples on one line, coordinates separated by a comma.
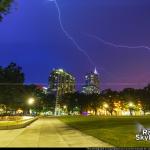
[(48, 132)]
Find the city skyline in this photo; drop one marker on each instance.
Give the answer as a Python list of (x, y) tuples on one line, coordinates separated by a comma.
[(32, 37)]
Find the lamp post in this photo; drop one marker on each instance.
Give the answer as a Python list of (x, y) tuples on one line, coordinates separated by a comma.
[(130, 104), (105, 105), (65, 109), (30, 103)]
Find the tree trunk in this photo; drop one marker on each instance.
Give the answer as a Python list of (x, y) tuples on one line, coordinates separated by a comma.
[(95, 110), (130, 112)]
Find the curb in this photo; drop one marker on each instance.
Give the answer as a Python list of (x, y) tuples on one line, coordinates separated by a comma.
[(18, 126)]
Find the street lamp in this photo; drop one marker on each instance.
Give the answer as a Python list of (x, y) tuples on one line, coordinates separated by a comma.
[(131, 104), (65, 109), (65, 106), (31, 102), (105, 105)]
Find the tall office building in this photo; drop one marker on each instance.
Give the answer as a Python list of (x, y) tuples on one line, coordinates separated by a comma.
[(92, 82), (60, 82)]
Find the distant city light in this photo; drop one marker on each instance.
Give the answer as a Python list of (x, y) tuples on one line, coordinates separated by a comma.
[(61, 70), (19, 111), (45, 88)]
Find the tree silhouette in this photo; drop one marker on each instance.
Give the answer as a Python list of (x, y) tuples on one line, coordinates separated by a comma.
[(5, 7)]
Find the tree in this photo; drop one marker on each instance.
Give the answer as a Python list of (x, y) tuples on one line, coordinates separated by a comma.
[(13, 74), (130, 97), (43, 102), (70, 100), (83, 101), (2, 109), (49, 103), (110, 97), (80, 101), (5, 7), (144, 96), (94, 102), (11, 85)]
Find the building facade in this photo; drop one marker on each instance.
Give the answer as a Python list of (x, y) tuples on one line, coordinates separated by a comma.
[(92, 83), (60, 82)]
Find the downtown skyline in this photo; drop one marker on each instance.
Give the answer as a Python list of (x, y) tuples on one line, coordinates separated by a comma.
[(32, 37)]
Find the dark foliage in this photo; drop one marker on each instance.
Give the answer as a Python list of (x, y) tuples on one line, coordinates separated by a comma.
[(5, 6)]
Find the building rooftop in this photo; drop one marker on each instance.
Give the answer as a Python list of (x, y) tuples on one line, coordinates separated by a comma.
[(62, 72)]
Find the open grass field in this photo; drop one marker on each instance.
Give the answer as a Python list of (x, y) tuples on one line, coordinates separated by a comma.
[(118, 131)]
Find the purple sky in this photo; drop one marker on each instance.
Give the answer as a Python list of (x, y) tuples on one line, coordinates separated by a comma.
[(32, 37)]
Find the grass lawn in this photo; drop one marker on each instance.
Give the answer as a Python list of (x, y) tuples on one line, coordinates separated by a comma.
[(118, 131), (8, 123), (13, 122)]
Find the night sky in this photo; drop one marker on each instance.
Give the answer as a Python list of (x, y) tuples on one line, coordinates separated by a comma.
[(32, 37)]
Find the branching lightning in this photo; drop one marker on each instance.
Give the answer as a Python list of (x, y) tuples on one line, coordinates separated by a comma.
[(117, 45), (69, 36), (75, 43)]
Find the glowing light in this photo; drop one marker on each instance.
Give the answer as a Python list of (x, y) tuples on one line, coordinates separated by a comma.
[(45, 88), (65, 106), (131, 104), (61, 70), (19, 111), (106, 105), (117, 45), (31, 101), (27, 117), (95, 71)]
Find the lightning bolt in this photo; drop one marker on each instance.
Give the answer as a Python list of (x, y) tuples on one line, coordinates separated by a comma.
[(117, 45), (75, 42), (69, 36)]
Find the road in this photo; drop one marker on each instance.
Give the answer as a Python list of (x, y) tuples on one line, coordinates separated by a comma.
[(48, 132)]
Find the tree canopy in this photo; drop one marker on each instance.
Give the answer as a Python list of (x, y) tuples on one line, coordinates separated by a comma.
[(5, 7), (11, 85)]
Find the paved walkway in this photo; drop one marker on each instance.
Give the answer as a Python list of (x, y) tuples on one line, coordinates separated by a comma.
[(48, 132)]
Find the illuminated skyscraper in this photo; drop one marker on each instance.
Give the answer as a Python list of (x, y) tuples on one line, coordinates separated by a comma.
[(60, 82), (92, 82)]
